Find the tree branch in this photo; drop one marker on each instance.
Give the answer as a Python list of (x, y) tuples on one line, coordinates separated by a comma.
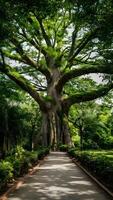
[(46, 37), (74, 34), (43, 70), (36, 44), (82, 71), (27, 60), (87, 96), (23, 55), (23, 83), (2, 56), (13, 57), (82, 44)]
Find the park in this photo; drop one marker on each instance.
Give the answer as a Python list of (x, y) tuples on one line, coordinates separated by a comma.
[(56, 98)]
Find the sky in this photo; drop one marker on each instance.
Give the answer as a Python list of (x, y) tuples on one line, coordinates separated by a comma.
[(97, 77)]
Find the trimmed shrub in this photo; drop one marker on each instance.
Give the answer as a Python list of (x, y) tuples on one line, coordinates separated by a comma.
[(42, 152), (19, 163), (99, 163)]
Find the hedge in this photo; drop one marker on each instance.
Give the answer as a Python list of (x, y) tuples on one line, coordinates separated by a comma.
[(18, 164), (99, 163)]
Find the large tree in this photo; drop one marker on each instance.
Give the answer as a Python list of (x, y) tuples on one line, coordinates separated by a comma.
[(45, 46)]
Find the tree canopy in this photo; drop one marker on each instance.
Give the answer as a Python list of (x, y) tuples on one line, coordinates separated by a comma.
[(46, 46)]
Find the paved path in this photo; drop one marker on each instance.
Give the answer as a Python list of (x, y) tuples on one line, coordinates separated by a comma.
[(58, 179)]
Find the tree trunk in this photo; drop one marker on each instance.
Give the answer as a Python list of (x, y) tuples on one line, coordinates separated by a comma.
[(49, 129), (55, 130), (44, 129), (81, 138), (66, 132), (6, 146)]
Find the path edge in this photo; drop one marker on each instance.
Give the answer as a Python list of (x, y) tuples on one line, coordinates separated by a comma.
[(106, 190), (17, 184)]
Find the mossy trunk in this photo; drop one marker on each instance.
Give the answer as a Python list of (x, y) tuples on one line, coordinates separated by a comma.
[(54, 128)]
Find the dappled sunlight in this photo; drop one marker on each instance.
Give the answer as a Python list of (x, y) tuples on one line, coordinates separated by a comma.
[(58, 180), (81, 182), (57, 166), (15, 198)]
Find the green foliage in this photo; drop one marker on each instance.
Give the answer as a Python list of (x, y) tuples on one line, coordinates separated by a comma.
[(76, 140), (42, 152), (63, 147), (79, 85), (18, 163), (20, 117), (44, 41), (106, 142), (19, 151), (99, 163), (6, 172), (12, 11), (93, 124)]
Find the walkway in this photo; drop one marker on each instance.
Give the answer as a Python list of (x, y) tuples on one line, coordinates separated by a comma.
[(58, 179)]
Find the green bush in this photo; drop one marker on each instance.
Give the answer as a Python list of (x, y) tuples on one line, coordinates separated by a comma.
[(33, 156), (99, 163), (89, 144), (63, 147), (18, 163), (76, 140), (25, 165), (19, 160), (6, 172), (21, 166), (42, 152), (17, 167), (72, 151), (107, 142)]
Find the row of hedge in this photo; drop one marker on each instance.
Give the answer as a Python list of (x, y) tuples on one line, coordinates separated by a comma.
[(99, 163), (18, 163)]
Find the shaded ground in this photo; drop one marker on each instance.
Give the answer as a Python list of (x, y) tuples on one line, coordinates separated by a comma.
[(58, 179)]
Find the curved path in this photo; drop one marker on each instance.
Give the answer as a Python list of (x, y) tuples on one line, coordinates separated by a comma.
[(58, 179)]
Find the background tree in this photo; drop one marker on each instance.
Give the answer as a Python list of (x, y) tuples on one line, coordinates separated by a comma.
[(19, 118), (91, 124), (45, 49)]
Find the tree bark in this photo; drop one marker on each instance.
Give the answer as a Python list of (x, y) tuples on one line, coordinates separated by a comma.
[(44, 129), (81, 137), (55, 130), (6, 146), (66, 132)]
